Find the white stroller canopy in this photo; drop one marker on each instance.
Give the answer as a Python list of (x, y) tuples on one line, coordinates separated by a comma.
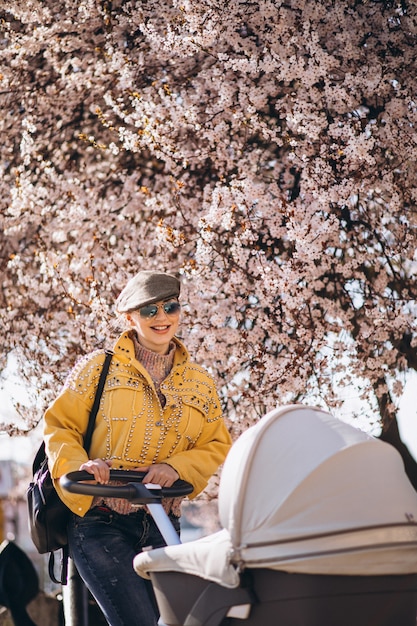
[(305, 492)]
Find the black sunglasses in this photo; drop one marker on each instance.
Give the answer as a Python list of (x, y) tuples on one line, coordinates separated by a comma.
[(150, 310)]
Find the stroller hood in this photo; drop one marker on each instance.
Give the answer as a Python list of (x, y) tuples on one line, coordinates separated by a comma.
[(303, 487), (302, 491)]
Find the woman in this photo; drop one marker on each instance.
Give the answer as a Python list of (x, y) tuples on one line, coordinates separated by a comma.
[(159, 414)]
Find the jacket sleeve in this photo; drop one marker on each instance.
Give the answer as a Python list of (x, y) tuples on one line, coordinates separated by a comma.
[(65, 423), (197, 464)]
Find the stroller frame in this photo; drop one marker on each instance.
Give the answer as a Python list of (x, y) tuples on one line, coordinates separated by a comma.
[(289, 593)]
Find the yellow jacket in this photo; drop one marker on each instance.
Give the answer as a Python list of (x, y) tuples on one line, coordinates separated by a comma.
[(132, 429)]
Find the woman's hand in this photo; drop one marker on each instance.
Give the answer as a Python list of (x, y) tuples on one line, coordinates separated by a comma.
[(159, 474), (100, 469)]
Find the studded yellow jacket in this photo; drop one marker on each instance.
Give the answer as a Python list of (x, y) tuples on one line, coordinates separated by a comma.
[(132, 428)]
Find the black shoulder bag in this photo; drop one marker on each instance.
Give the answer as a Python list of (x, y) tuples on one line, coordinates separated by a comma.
[(48, 515)]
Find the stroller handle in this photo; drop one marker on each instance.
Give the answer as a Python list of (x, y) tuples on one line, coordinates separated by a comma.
[(134, 490)]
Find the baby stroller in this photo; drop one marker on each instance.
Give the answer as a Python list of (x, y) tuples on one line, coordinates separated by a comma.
[(319, 528)]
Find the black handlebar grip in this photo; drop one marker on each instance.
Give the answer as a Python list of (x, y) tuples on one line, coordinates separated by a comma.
[(80, 482)]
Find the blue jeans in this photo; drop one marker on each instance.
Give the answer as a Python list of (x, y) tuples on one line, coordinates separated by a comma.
[(103, 545)]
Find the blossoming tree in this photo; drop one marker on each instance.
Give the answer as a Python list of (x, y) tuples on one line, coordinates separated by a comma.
[(265, 150)]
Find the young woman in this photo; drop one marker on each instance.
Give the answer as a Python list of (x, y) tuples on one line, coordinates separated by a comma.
[(159, 414)]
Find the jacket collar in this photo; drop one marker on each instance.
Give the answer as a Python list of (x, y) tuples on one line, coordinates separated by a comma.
[(125, 350)]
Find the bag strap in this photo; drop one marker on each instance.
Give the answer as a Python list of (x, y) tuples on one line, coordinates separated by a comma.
[(41, 454), (96, 404), (62, 580)]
